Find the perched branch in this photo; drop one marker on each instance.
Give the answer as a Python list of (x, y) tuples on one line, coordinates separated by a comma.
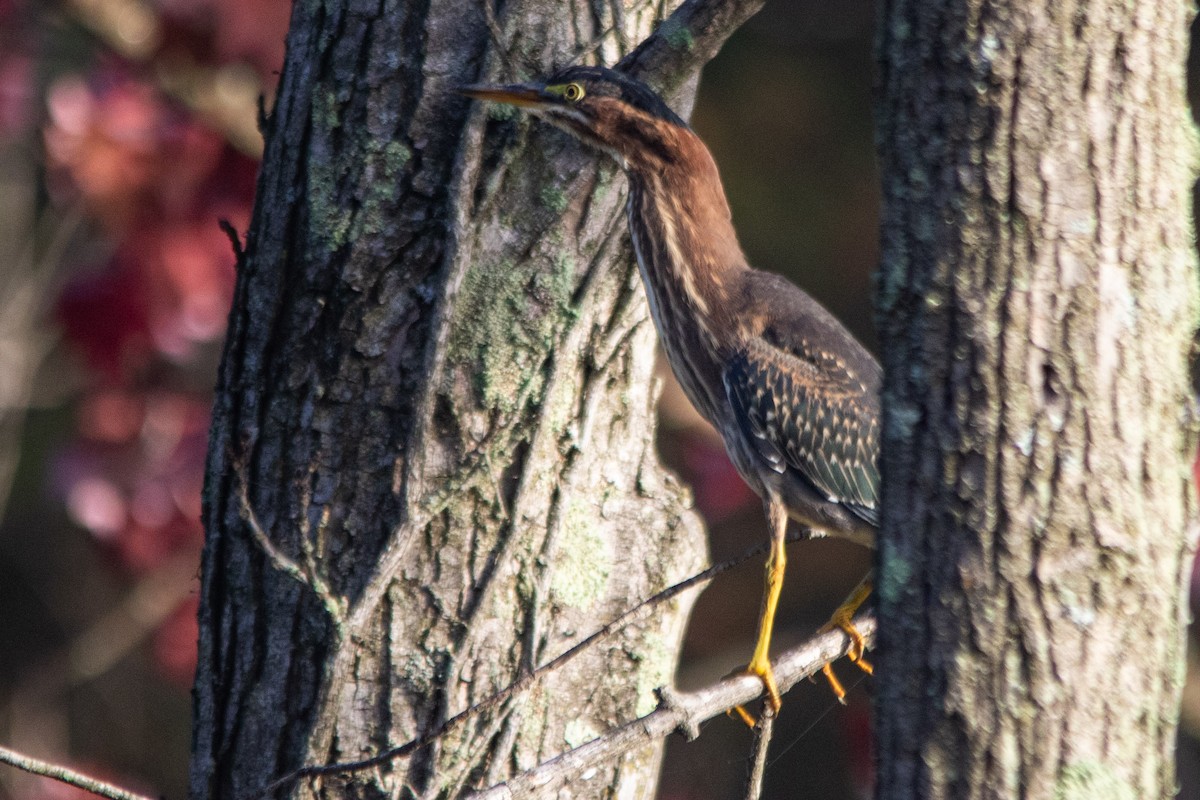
[(682, 712), (518, 686), (66, 775)]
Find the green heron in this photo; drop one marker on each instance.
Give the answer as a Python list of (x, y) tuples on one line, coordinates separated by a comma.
[(794, 395)]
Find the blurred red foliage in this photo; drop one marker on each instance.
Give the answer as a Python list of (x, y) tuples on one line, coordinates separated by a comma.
[(145, 317), (227, 31), (17, 87), (719, 491), (16, 91), (134, 473)]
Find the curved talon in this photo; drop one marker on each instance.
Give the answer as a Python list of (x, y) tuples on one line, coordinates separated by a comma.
[(834, 684), (743, 715), (858, 645), (843, 620)]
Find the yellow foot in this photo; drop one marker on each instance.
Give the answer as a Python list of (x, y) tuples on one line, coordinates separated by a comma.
[(761, 670), (835, 685), (744, 715), (843, 620)]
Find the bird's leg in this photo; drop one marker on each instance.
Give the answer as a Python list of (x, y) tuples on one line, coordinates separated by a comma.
[(760, 662), (843, 619)]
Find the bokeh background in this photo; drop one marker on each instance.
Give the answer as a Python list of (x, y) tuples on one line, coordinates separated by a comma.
[(127, 129)]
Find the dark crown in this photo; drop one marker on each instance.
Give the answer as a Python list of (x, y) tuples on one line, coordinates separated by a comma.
[(608, 82)]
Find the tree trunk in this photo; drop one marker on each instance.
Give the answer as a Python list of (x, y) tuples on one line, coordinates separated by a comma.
[(437, 400), (1038, 303)]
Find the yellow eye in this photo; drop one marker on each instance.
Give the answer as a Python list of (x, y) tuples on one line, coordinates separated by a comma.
[(573, 93)]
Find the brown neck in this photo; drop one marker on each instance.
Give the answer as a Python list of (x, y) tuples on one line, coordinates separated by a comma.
[(687, 248), (690, 261)]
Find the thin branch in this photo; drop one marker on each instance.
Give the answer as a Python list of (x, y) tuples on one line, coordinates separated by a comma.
[(527, 681), (671, 57), (66, 775), (763, 730), (682, 712)]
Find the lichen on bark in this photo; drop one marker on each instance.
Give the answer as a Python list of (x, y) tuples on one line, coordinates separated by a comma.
[(438, 383)]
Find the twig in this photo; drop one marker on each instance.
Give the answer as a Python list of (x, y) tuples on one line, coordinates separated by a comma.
[(306, 574), (66, 775), (682, 712), (239, 253), (763, 730), (588, 47), (521, 684)]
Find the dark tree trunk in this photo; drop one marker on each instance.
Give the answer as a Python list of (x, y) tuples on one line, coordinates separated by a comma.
[(1038, 305), (437, 399)]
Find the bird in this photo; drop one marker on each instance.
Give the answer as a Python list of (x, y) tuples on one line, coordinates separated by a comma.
[(793, 394)]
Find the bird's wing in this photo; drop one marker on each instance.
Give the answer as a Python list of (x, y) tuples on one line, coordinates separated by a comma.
[(808, 411)]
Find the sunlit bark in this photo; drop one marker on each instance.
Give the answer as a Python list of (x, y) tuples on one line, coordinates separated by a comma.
[(1038, 306)]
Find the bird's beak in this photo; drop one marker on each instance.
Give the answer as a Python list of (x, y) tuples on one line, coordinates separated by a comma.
[(523, 95)]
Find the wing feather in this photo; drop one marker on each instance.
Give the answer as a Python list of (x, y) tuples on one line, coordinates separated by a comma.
[(809, 412)]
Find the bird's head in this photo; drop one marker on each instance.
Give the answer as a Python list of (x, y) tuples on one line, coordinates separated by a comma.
[(601, 107)]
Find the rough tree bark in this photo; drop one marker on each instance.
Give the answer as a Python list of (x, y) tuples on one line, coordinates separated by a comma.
[(1038, 304), (436, 400)]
